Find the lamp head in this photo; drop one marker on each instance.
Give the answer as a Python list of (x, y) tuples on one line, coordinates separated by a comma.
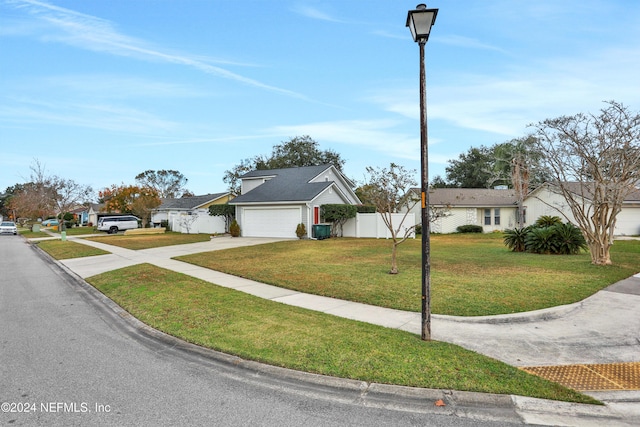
[(420, 22)]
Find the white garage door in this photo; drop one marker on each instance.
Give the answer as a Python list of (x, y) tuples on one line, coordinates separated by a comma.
[(628, 222), (281, 222)]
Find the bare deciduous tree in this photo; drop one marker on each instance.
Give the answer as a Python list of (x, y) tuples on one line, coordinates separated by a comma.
[(595, 162), (46, 194), (389, 190)]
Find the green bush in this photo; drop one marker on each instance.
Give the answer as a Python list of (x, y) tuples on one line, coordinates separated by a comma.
[(541, 241), (547, 221), (366, 209), (469, 228), (570, 240), (234, 229), (514, 239), (559, 238), (301, 231)]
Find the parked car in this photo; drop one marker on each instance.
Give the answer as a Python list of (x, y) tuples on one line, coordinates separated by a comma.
[(8, 227), (50, 222), (113, 224)]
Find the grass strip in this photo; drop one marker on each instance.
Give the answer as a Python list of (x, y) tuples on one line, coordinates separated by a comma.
[(67, 249), (296, 338), (471, 275)]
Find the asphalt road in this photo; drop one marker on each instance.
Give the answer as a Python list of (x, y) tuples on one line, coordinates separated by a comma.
[(66, 359)]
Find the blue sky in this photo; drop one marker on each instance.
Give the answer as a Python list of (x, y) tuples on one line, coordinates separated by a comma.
[(99, 91)]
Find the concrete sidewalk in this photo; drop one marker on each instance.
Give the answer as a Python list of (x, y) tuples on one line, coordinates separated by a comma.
[(604, 328)]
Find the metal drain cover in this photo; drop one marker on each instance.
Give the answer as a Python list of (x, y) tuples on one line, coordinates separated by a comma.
[(614, 376)]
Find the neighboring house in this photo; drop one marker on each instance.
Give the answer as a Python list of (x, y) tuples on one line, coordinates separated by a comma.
[(496, 210), (273, 202), (92, 213), (491, 209), (191, 214), (80, 215), (544, 200)]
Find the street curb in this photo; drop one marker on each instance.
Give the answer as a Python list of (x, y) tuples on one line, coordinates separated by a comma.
[(472, 405), (529, 316)]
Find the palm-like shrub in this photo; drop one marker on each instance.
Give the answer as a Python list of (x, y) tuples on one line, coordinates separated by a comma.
[(559, 238), (547, 221), (569, 239), (514, 239), (541, 241)]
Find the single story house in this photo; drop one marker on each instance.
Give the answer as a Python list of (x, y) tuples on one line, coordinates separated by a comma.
[(273, 202), (496, 210), (545, 200), (191, 214), (492, 209)]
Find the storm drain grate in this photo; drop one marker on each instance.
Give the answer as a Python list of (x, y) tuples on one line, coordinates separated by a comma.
[(613, 376)]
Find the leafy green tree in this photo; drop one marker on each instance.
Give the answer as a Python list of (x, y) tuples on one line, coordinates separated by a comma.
[(169, 184), (472, 169), (338, 215), (226, 210)]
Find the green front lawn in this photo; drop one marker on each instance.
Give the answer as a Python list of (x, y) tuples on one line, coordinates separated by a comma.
[(296, 338), (472, 274), (146, 241)]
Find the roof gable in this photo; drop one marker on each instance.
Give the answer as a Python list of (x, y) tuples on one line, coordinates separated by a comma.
[(290, 185)]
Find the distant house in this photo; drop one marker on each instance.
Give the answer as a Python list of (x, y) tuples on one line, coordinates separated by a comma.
[(273, 202), (546, 200), (191, 214), (491, 209), (80, 215), (496, 210), (93, 213)]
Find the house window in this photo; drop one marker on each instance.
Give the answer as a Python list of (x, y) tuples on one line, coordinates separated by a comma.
[(522, 213), (496, 216), (487, 217)]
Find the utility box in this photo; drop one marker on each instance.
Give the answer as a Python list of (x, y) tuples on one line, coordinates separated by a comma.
[(321, 231)]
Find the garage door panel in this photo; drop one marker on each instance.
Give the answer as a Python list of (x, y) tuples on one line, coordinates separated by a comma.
[(628, 222), (280, 222)]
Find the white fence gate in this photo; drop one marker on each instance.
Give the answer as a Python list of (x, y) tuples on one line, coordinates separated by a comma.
[(372, 225)]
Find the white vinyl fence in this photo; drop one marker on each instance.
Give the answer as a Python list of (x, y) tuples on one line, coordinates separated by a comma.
[(196, 223), (372, 225)]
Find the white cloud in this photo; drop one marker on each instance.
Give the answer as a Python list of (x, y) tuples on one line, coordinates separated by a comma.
[(313, 13), (95, 34)]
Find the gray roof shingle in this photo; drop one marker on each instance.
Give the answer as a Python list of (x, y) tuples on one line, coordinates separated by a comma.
[(287, 185), (472, 197), (187, 203)]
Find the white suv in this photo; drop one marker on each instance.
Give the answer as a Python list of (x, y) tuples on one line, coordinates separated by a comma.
[(113, 224)]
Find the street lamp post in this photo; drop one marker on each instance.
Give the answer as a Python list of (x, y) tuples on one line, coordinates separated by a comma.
[(420, 22)]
